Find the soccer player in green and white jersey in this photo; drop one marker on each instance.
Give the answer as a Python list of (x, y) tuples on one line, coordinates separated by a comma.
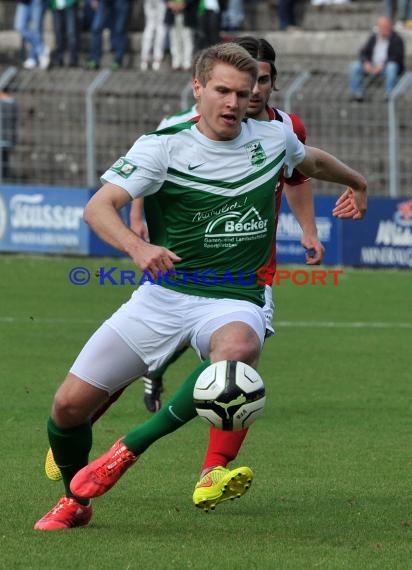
[(208, 188), (223, 447), (214, 484)]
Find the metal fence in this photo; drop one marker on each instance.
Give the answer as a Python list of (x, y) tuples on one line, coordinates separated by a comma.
[(70, 125), (374, 137)]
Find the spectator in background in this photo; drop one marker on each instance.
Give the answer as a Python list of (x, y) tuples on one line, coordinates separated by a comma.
[(286, 15), (86, 15), (383, 54), (153, 38), (66, 32), (29, 23), (208, 28), (233, 18), (181, 19), (401, 10), (113, 13)]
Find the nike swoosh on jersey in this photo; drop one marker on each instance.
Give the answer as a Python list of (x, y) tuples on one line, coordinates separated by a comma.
[(190, 167)]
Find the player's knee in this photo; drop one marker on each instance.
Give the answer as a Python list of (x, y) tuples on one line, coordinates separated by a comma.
[(245, 352), (76, 401), (63, 412), (241, 350), (66, 412), (235, 341)]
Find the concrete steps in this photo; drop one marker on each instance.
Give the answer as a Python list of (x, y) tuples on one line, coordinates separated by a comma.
[(327, 31)]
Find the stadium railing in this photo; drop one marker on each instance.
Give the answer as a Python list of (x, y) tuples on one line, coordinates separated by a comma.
[(72, 124)]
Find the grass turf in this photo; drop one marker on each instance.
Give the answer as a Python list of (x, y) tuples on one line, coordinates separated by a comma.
[(331, 455)]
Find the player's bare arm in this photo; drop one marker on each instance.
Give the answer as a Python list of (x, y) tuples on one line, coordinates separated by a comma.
[(101, 213), (300, 200), (137, 223), (323, 166)]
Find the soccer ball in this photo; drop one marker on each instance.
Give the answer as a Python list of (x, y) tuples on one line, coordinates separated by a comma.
[(229, 395)]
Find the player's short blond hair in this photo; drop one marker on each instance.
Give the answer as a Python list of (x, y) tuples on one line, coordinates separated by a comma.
[(229, 53)]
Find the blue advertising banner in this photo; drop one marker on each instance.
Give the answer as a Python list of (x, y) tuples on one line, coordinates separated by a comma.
[(383, 238), (43, 219), (289, 248), (49, 220), (100, 248)]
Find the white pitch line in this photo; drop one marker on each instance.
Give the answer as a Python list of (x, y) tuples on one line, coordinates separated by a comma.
[(47, 320), (300, 324), (342, 324)]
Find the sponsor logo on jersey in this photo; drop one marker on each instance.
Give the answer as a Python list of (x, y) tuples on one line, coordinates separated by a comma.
[(123, 167), (235, 223), (229, 229), (202, 216), (256, 154)]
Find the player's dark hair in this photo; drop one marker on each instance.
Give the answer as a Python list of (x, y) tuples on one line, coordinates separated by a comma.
[(261, 50)]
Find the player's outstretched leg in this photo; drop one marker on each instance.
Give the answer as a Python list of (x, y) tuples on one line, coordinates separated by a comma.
[(101, 474), (221, 484)]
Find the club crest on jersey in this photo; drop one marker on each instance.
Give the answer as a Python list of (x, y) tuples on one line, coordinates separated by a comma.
[(123, 167), (256, 153)]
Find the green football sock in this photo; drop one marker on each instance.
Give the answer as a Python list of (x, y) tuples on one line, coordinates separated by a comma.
[(176, 412), (71, 447), (158, 373)]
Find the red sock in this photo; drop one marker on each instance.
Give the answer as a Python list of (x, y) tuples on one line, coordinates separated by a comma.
[(223, 447), (107, 404)]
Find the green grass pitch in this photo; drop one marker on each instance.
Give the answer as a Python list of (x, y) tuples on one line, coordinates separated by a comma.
[(331, 456)]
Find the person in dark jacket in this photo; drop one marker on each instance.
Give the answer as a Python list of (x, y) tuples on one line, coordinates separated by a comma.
[(209, 22), (382, 54)]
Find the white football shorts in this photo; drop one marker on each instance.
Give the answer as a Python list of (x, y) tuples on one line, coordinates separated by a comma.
[(146, 330)]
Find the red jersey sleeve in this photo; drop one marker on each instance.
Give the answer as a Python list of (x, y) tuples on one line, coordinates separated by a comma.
[(300, 131), (298, 127)]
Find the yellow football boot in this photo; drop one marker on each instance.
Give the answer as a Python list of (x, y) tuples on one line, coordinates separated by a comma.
[(221, 484)]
